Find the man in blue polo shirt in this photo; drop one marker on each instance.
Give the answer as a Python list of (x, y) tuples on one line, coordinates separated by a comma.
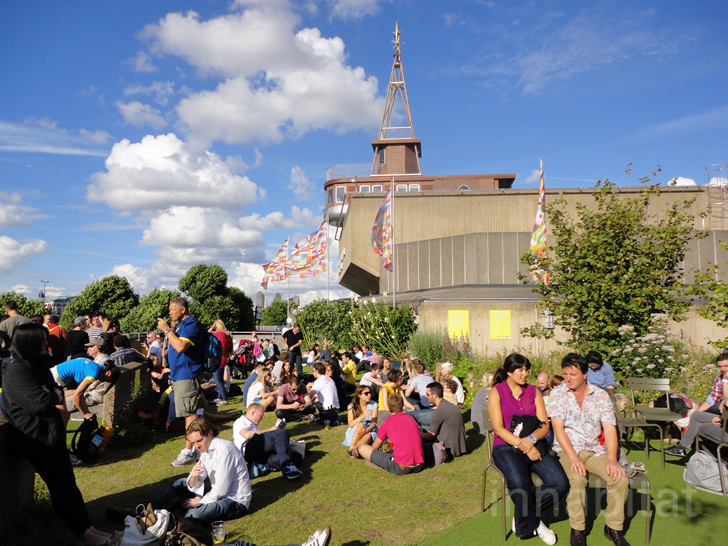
[(186, 353)]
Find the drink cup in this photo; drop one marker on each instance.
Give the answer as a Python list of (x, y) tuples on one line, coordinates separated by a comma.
[(218, 532)]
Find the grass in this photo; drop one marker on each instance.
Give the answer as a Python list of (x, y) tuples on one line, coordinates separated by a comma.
[(364, 506)]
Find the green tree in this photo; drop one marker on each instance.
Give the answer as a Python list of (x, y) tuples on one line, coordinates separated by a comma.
[(112, 295), (212, 299), (613, 265), (717, 306), (26, 307), (143, 317), (328, 322), (276, 313)]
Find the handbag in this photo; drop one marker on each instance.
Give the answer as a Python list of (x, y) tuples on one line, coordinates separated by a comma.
[(525, 425)]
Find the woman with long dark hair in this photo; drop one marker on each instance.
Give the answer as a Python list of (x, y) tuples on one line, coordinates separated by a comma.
[(29, 400), (362, 420), (515, 450)]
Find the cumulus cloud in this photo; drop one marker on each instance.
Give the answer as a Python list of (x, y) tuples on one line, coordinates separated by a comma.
[(13, 213), (298, 218), (142, 63), (534, 177), (279, 82), (15, 254), (681, 181), (163, 171), (33, 291), (301, 186), (136, 113), (138, 277)]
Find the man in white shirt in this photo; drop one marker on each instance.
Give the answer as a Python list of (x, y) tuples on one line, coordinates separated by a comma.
[(153, 346), (270, 447), (323, 391), (418, 382), (94, 351), (224, 465)]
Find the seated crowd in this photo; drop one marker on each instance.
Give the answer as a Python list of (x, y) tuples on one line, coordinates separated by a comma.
[(399, 417)]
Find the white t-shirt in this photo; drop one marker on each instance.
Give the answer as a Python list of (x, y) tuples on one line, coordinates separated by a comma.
[(155, 349), (256, 390), (242, 423), (420, 383), (459, 394), (276, 373), (325, 387), (366, 379)]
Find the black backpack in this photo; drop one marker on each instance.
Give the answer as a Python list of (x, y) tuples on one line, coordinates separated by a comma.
[(83, 444)]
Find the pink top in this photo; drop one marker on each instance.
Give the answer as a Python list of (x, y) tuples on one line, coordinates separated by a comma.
[(510, 405), (403, 432), (227, 346)]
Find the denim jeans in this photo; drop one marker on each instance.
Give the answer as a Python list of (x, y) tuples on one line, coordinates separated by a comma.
[(422, 416), (219, 377), (220, 510), (529, 507), (271, 447)]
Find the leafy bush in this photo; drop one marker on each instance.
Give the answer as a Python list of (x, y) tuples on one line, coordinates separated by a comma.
[(129, 428), (427, 346), (383, 327), (327, 322)]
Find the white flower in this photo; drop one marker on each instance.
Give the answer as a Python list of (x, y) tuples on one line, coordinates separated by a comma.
[(374, 300), (650, 366), (384, 294), (668, 369), (639, 370)]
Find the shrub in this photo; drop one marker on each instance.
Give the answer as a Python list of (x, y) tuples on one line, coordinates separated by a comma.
[(427, 346), (650, 355)]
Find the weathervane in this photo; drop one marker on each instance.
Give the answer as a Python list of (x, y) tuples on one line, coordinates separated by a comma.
[(397, 51)]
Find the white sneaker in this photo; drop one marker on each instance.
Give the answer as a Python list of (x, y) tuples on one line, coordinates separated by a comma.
[(298, 446), (322, 537), (75, 461), (183, 460), (308, 418), (513, 525), (544, 533)]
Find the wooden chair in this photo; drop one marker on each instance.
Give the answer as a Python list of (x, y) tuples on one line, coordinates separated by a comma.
[(661, 415), (721, 444), (640, 482)]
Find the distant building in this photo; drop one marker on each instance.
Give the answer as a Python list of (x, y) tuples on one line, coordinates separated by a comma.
[(57, 305)]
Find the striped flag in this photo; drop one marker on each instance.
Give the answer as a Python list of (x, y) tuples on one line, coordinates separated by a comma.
[(382, 232), (538, 237), (276, 269)]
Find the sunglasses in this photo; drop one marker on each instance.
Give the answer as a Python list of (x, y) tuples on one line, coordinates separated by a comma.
[(366, 393)]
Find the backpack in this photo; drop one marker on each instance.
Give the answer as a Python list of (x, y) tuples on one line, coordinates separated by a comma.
[(213, 353), (702, 473), (87, 440)]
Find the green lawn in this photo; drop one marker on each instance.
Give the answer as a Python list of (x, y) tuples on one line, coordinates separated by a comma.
[(365, 505)]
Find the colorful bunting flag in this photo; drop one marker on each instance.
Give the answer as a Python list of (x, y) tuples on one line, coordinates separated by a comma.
[(382, 232), (538, 237), (275, 270)]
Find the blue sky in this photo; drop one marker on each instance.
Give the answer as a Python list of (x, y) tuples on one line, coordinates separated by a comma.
[(139, 138)]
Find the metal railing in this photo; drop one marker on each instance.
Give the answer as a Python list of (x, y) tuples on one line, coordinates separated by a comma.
[(348, 171)]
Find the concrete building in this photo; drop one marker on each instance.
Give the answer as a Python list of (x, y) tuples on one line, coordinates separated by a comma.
[(459, 239)]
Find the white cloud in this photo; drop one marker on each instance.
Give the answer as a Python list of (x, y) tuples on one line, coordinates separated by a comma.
[(14, 254), (13, 213), (136, 113), (138, 277), (163, 171), (301, 186), (44, 136), (534, 177), (279, 83), (102, 137), (33, 291), (160, 91), (681, 181), (353, 9), (710, 120), (299, 218), (258, 158), (236, 164), (143, 63)]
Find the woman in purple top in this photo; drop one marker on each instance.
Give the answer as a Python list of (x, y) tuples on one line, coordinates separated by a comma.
[(517, 457)]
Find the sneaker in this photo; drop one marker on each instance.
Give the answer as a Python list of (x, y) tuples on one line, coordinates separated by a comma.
[(75, 461), (183, 460), (291, 472), (676, 451), (222, 403), (298, 446), (319, 538), (308, 418), (513, 525), (545, 534), (281, 423)]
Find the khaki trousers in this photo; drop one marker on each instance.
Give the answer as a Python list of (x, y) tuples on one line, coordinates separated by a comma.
[(617, 491)]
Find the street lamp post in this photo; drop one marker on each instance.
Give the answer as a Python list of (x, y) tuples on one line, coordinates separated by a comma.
[(44, 289)]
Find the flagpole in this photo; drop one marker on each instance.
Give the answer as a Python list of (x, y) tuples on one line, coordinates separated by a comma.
[(394, 267), (288, 301), (328, 265)]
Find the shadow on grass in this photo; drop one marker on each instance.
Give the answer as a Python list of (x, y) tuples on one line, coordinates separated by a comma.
[(355, 543)]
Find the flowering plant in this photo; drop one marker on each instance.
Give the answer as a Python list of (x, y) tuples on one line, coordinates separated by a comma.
[(383, 327), (651, 355)]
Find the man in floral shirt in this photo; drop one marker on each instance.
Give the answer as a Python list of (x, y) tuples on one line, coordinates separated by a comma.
[(579, 412)]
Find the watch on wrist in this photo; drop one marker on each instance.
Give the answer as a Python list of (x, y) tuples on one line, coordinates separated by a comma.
[(168, 330), (532, 439)]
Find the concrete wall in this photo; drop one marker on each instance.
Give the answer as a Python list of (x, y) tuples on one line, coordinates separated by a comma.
[(433, 317), (428, 216)]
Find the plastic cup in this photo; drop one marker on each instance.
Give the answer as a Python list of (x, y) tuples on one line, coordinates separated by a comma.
[(326, 424), (219, 531)]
